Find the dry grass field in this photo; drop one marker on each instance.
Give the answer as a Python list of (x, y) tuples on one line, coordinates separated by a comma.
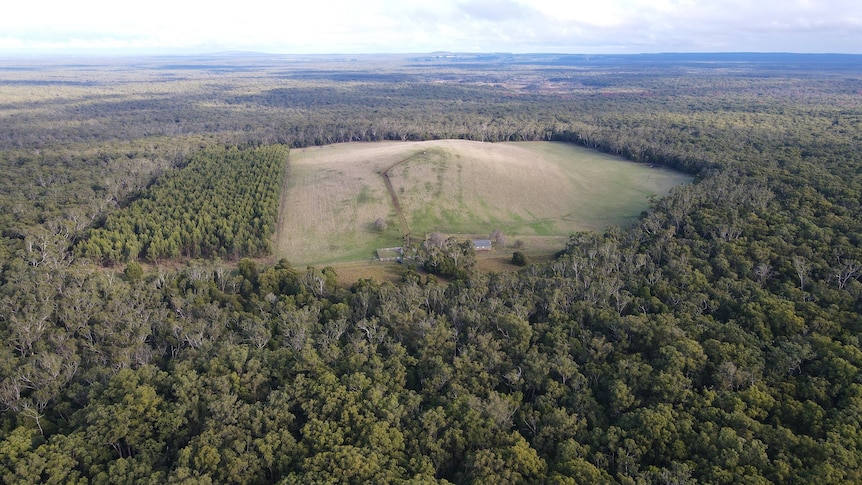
[(535, 191)]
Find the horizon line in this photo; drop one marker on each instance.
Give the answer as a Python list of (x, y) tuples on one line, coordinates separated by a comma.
[(110, 53)]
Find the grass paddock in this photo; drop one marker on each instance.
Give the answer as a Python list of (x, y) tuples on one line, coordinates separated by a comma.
[(535, 192)]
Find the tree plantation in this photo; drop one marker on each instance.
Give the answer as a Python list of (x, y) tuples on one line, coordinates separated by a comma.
[(223, 203), (146, 338)]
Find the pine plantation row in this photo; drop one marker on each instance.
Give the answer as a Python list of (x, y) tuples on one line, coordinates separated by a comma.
[(223, 203)]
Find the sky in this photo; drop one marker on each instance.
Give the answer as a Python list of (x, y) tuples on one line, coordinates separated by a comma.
[(410, 26)]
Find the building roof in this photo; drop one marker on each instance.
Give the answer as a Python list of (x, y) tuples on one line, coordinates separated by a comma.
[(481, 243)]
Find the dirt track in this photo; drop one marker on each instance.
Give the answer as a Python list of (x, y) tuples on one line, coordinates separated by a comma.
[(402, 219)]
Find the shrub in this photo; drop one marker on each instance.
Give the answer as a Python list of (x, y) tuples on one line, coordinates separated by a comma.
[(134, 271), (519, 259), (380, 224)]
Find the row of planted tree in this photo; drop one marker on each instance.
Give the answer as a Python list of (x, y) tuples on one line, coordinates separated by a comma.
[(223, 203)]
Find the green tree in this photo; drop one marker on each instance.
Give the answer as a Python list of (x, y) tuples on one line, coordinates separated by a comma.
[(134, 271), (519, 259)]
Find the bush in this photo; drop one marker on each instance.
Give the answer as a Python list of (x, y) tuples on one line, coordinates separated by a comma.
[(498, 237), (380, 224), (134, 271), (519, 259)]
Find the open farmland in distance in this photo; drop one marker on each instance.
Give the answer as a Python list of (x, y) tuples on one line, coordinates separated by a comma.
[(539, 192)]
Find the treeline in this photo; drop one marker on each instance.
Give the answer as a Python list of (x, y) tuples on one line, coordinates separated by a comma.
[(223, 203)]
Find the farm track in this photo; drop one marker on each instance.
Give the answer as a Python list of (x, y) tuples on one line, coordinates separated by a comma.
[(402, 219)]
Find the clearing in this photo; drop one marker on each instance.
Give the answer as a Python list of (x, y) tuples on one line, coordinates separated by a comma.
[(538, 192)]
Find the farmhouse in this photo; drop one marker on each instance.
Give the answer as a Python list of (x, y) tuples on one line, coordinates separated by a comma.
[(482, 244)]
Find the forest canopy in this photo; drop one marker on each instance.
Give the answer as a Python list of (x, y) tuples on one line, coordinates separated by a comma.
[(716, 340)]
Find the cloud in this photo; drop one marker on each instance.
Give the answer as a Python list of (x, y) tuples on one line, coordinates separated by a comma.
[(420, 26), (496, 11)]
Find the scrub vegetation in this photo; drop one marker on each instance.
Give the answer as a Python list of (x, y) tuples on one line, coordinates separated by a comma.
[(715, 339)]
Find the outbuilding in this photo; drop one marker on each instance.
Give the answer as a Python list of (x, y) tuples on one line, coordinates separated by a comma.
[(482, 244)]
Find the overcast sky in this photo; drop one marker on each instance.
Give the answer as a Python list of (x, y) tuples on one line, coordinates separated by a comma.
[(395, 26)]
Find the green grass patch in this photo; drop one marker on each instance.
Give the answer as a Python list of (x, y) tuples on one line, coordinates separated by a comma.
[(365, 196)]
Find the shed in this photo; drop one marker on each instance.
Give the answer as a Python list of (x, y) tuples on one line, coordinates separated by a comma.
[(390, 254), (482, 244)]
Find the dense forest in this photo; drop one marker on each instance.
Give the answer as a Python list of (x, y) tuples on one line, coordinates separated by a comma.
[(717, 340)]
